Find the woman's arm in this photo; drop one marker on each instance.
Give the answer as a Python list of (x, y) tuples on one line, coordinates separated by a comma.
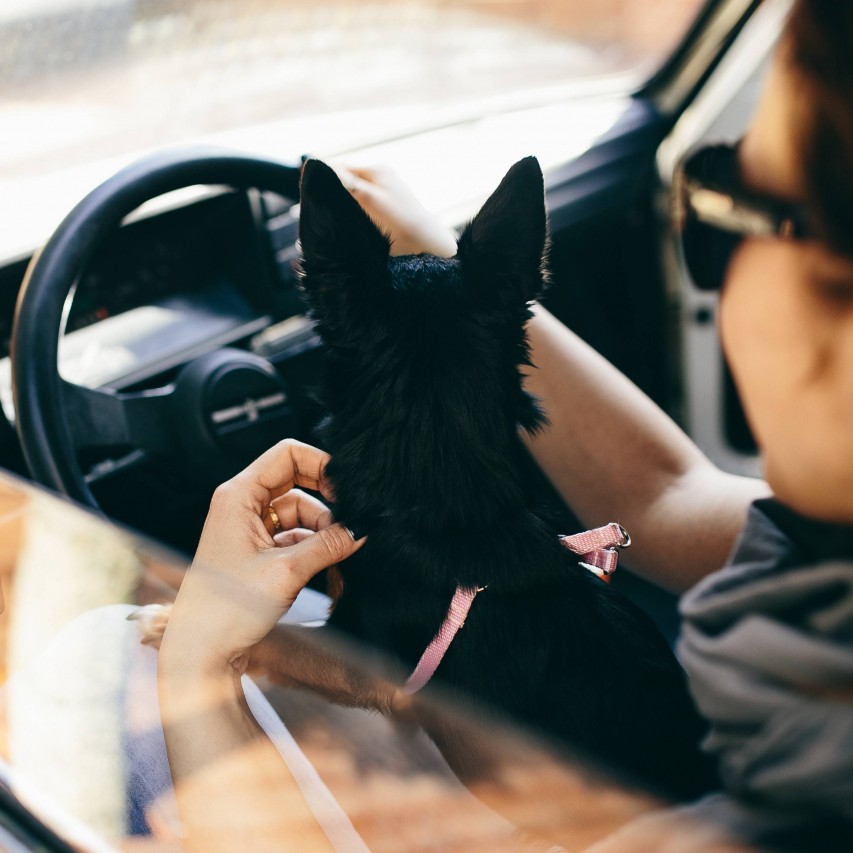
[(614, 455), (233, 789)]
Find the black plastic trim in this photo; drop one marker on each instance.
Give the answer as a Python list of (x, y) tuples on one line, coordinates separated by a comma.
[(31, 832), (664, 77)]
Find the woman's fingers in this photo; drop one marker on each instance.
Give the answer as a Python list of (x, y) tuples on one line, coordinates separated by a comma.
[(297, 509), (392, 205), (291, 537), (320, 550), (285, 465), (349, 177)]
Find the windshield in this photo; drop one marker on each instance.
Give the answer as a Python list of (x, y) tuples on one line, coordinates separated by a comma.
[(85, 82)]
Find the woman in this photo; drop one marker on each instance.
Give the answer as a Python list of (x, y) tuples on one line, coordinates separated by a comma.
[(786, 321)]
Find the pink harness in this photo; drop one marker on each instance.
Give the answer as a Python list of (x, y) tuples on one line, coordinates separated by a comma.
[(597, 549)]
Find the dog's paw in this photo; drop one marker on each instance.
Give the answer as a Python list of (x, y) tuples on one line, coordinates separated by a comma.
[(151, 621)]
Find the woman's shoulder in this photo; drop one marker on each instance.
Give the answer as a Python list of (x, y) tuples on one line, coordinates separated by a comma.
[(783, 563)]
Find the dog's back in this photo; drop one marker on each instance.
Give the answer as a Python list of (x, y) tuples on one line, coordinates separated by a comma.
[(426, 399)]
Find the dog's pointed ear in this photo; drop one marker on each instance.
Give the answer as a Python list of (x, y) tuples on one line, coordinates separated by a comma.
[(509, 235), (335, 234)]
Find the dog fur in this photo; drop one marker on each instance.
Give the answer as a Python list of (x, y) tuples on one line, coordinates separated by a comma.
[(425, 400)]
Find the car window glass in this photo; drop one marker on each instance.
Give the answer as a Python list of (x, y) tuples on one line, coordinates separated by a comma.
[(84, 82), (81, 745)]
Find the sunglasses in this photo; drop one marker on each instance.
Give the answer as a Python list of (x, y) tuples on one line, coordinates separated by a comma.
[(714, 213)]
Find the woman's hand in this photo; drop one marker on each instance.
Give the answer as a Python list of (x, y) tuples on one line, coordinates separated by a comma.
[(245, 574), (230, 781), (394, 208)]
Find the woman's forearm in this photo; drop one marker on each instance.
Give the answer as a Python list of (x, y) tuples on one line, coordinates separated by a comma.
[(615, 456), (233, 789)]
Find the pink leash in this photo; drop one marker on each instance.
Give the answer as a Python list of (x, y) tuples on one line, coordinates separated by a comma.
[(461, 603), (596, 547)]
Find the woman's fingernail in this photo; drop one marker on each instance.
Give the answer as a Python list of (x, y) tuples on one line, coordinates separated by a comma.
[(356, 532)]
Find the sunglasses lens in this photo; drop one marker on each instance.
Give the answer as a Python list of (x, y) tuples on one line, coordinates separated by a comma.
[(707, 252), (707, 249)]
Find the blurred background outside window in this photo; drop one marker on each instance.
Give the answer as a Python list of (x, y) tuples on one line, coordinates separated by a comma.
[(105, 80)]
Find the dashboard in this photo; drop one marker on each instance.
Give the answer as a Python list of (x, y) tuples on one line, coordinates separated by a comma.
[(176, 252), (165, 289)]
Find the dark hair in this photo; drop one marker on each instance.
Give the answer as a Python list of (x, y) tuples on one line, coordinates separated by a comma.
[(819, 46)]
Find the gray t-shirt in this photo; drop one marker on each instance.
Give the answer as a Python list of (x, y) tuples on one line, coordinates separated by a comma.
[(767, 643)]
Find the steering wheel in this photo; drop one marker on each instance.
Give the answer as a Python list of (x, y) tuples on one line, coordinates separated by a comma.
[(55, 419)]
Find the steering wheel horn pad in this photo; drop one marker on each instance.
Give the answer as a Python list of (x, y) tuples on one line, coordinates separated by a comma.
[(229, 406)]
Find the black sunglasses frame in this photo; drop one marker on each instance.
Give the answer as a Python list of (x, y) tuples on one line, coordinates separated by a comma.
[(714, 213)]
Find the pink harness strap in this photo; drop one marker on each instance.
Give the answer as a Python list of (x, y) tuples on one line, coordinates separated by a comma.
[(461, 603), (596, 547)]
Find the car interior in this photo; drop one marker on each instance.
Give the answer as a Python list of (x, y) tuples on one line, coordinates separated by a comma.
[(157, 342)]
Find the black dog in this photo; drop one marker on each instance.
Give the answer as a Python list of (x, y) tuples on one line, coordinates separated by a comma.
[(425, 399)]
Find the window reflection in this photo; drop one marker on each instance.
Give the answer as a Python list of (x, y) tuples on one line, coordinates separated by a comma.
[(82, 747)]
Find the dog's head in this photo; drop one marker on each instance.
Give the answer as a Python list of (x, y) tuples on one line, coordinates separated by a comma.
[(424, 352)]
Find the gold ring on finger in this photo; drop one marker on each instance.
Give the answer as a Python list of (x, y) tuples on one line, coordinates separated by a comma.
[(276, 521)]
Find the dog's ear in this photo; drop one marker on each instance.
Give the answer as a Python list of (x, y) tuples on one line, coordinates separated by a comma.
[(508, 237), (339, 242)]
